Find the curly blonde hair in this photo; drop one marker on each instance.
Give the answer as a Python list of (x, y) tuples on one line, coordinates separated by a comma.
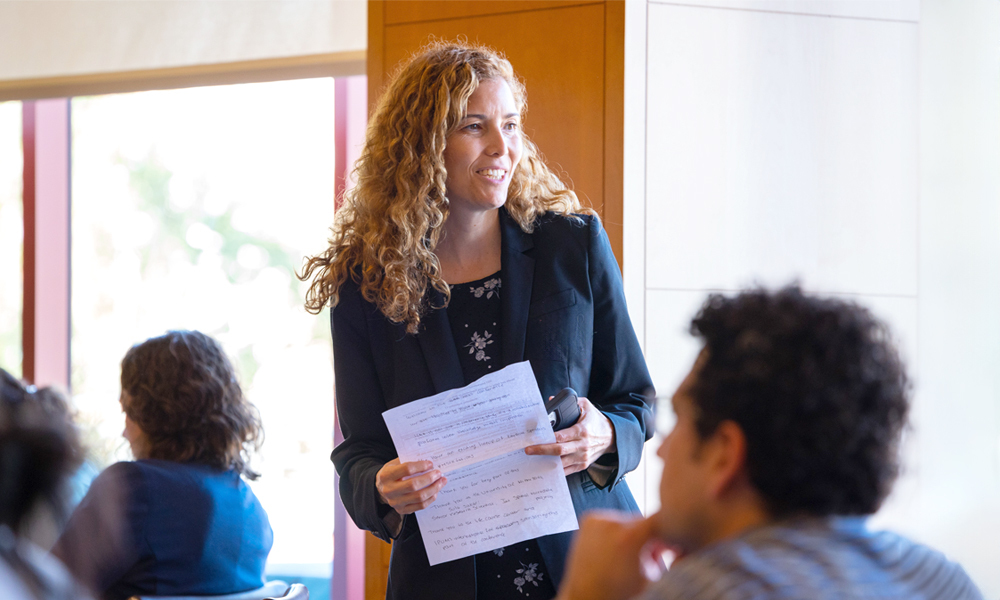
[(389, 224)]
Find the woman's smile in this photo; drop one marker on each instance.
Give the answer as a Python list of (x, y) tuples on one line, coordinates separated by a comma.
[(496, 175)]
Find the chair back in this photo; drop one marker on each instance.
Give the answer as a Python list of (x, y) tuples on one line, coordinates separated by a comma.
[(270, 590), (296, 591)]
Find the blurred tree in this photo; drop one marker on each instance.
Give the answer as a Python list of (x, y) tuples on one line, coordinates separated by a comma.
[(150, 180)]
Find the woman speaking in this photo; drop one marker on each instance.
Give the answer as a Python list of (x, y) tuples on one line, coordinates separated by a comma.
[(458, 253)]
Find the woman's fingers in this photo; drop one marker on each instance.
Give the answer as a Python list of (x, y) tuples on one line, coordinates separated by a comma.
[(583, 443), (408, 487), (571, 454), (420, 499)]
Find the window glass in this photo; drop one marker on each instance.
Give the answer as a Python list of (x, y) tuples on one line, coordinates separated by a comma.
[(192, 209), (11, 237)]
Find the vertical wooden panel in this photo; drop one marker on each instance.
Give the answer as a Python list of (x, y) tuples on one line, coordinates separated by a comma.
[(614, 124), (377, 555), (376, 52), (46, 320)]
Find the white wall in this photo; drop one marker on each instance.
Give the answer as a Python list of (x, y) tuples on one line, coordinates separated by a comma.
[(854, 146)]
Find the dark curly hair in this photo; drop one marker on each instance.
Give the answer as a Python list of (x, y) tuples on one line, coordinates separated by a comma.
[(39, 449), (818, 389), (181, 390)]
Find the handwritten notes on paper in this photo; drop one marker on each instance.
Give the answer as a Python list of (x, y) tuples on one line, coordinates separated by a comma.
[(495, 503), (496, 495), (498, 413)]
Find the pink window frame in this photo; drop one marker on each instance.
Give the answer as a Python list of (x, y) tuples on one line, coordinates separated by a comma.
[(46, 193), (351, 110)]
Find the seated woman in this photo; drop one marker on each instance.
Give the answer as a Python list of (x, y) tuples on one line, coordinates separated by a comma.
[(189, 524), (38, 451)]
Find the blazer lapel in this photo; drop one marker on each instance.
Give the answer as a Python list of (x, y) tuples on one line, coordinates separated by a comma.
[(517, 271), (438, 347)]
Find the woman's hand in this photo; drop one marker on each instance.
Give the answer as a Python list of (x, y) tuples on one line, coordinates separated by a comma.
[(409, 487), (580, 445)]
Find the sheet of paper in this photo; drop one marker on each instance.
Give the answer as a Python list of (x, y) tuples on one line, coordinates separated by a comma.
[(497, 413), (495, 503), (496, 495)]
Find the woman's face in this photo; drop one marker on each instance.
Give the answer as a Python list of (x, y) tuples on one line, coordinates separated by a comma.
[(481, 155), (135, 436)]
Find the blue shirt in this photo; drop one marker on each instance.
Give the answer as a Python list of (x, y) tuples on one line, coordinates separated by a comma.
[(815, 559), (165, 528)]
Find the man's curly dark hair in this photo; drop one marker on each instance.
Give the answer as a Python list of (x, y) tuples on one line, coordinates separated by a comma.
[(181, 390), (39, 449), (818, 389)]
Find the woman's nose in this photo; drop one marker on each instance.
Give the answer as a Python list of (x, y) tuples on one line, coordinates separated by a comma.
[(496, 143)]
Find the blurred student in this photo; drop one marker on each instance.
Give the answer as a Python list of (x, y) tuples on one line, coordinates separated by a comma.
[(189, 523), (38, 451), (786, 437)]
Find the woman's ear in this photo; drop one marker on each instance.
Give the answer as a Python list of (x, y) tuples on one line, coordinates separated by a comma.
[(728, 459)]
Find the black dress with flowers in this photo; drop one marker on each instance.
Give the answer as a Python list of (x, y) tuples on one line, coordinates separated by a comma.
[(516, 571)]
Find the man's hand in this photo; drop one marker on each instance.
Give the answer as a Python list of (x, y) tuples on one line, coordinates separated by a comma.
[(614, 557)]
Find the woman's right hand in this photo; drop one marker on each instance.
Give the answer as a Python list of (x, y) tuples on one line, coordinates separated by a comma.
[(409, 487)]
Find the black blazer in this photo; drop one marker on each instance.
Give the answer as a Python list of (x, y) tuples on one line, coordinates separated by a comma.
[(563, 309)]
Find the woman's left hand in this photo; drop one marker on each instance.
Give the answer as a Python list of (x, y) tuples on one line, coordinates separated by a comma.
[(580, 445)]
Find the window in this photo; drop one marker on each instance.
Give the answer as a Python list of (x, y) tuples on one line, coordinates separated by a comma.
[(11, 237), (192, 209)]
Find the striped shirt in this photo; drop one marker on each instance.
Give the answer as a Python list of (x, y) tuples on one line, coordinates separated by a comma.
[(815, 559)]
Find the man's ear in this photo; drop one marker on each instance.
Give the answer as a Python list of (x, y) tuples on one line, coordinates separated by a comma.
[(729, 459)]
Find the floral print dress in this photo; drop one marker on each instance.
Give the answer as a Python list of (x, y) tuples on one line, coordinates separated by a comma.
[(518, 570)]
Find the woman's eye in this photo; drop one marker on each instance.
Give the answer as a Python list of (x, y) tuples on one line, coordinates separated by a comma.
[(510, 126), (474, 126)]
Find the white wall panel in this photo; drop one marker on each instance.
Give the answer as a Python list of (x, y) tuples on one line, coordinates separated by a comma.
[(959, 374), (780, 146), (670, 349), (897, 10), (634, 159), (861, 155)]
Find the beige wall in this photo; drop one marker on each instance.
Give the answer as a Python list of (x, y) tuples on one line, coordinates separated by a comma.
[(74, 42), (859, 153)]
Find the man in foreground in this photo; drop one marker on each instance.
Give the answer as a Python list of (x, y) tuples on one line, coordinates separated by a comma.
[(786, 437)]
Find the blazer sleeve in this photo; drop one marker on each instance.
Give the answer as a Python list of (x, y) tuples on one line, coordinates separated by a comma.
[(620, 385), (367, 445)]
